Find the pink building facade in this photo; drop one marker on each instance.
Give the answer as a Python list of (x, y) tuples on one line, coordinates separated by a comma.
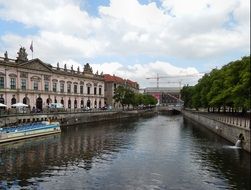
[(39, 84)]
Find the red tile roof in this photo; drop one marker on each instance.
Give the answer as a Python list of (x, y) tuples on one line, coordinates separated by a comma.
[(119, 80), (110, 78)]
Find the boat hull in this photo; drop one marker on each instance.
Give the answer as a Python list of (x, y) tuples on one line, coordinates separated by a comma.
[(7, 137)]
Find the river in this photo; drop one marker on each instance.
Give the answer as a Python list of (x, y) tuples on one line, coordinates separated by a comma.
[(160, 152)]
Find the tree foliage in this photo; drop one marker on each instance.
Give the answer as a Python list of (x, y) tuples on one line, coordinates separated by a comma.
[(228, 87), (127, 97)]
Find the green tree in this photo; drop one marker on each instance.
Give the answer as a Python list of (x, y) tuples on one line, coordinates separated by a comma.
[(221, 88), (119, 95)]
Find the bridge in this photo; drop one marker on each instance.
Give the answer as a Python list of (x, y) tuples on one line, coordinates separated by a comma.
[(170, 109)]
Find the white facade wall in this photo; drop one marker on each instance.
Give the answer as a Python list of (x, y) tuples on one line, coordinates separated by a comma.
[(8, 72)]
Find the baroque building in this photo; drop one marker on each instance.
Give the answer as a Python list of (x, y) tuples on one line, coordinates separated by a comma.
[(111, 83), (38, 84)]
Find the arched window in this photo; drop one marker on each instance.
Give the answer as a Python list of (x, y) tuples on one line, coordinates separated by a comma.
[(39, 103), (62, 101), (82, 103), (13, 100), (88, 104), (75, 103), (26, 100), (2, 99), (48, 101), (69, 103), (99, 104)]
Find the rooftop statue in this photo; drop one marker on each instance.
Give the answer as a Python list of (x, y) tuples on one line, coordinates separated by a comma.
[(87, 69), (65, 67), (6, 56), (22, 55)]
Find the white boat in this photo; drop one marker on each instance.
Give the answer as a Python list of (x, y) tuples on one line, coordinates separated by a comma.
[(28, 130)]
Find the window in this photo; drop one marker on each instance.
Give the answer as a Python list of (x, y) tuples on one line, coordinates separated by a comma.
[(69, 103), (46, 86), (1, 99), (54, 87), (81, 89), (1, 82), (100, 90), (13, 100), (95, 90), (23, 84), (35, 85), (69, 88), (12, 83), (62, 87), (114, 87), (75, 103), (75, 88), (88, 90)]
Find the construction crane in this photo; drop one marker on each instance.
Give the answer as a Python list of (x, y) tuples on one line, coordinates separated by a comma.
[(157, 78), (179, 82)]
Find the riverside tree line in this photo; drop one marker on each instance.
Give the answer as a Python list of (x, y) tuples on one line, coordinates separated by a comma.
[(127, 97), (226, 89)]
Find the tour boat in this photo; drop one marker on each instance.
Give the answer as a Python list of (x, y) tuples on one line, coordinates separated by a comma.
[(28, 130)]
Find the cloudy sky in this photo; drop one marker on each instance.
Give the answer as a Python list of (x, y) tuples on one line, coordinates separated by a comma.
[(134, 39)]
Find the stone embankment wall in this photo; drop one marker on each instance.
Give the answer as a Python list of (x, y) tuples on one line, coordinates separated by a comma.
[(80, 118), (225, 130), (66, 119)]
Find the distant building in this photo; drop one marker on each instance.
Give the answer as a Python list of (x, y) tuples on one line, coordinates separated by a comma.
[(38, 84), (111, 83), (164, 95)]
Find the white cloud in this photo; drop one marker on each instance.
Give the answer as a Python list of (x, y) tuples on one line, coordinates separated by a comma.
[(191, 29), (169, 74), (178, 28)]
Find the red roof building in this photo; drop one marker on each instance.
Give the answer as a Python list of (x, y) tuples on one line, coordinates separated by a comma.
[(111, 83)]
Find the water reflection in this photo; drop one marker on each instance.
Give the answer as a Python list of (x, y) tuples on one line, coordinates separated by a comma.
[(79, 146), (220, 156), (149, 153)]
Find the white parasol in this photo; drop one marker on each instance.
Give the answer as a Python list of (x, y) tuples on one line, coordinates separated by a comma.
[(2, 105), (19, 105)]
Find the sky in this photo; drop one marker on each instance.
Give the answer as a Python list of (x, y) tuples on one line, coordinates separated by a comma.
[(133, 39)]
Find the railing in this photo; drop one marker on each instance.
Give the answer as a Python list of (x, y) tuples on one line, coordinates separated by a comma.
[(28, 111), (234, 120)]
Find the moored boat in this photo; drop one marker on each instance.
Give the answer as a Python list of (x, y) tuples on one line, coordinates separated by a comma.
[(28, 130)]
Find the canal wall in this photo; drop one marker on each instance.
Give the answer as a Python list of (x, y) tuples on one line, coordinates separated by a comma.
[(225, 130), (73, 118), (80, 118)]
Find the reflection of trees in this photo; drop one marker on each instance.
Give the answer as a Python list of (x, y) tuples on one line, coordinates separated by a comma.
[(219, 158), (74, 146)]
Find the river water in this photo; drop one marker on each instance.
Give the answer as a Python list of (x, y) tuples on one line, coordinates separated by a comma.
[(161, 152)]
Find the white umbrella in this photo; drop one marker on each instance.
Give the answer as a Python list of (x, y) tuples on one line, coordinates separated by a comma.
[(2, 105), (19, 105)]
